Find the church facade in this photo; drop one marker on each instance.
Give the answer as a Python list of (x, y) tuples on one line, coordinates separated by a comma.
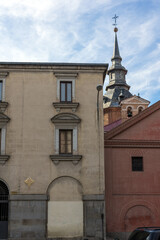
[(52, 151)]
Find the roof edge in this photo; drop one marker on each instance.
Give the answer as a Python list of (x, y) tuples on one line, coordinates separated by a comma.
[(130, 122)]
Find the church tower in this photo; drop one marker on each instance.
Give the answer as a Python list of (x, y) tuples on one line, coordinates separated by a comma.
[(117, 89), (119, 104)]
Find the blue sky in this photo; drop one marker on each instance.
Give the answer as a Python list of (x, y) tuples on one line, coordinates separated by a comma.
[(82, 31)]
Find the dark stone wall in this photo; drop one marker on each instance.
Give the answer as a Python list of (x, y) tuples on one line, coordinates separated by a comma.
[(27, 217), (94, 226)]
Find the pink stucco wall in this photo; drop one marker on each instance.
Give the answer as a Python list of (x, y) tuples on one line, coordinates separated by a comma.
[(147, 129)]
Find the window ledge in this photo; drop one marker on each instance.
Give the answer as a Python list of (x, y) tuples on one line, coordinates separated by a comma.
[(59, 105), (3, 106), (4, 159), (65, 158)]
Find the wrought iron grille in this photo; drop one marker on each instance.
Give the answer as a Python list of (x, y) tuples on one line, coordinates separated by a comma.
[(3, 201), (3, 207)]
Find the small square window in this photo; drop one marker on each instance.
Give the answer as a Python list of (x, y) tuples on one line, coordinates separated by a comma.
[(65, 141), (66, 91), (137, 164)]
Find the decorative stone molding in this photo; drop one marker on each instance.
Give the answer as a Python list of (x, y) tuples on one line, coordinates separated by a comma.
[(65, 158), (131, 143), (3, 120), (93, 197), (28, 197), (67, 74), (65, 118), (4, 159), (59, 105), (3, 106), (3, 74)]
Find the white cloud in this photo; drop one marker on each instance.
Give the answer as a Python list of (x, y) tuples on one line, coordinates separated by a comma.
[(82, 31)]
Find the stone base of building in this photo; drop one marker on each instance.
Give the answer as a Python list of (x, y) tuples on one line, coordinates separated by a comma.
[(117, 235), (28, 218), (94, 217)]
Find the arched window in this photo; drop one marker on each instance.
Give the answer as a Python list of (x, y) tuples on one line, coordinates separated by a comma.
[(140, 109), (129, 112)]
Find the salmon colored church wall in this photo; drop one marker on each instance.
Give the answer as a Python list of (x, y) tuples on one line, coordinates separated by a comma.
[(147, 129), (132, 198)]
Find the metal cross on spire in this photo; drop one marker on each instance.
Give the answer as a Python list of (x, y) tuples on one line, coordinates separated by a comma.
[(115, 19)]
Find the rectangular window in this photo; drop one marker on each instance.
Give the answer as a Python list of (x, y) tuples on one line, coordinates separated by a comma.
[(1, 89), (66, 91), (65, 141), (137, 164)]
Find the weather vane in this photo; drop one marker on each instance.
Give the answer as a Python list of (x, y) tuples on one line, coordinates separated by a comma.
[(115, 19)]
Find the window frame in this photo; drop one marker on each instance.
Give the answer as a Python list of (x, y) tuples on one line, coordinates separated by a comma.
[(65, 130), (2, 93), (66, 94), (66, 79), (135, 168)]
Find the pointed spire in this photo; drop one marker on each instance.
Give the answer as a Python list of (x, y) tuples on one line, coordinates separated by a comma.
[(117, 89), (116, 53)]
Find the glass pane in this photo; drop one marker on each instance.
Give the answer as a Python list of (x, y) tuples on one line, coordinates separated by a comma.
[(62, 92), (62, 142), (69, 135), (62, 135), (69, 148), (1, 90), (69, 92), (65, 144), (62, 148), (69, 141)]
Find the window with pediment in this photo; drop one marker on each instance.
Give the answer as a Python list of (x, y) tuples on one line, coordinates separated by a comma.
[(66, 138), (65, 141)]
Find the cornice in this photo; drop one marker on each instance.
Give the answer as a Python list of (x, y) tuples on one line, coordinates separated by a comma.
[(54, 67), (131, 143), (3, 74)]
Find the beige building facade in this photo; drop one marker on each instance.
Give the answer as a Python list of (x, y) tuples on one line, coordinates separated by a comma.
[(52, 150)]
